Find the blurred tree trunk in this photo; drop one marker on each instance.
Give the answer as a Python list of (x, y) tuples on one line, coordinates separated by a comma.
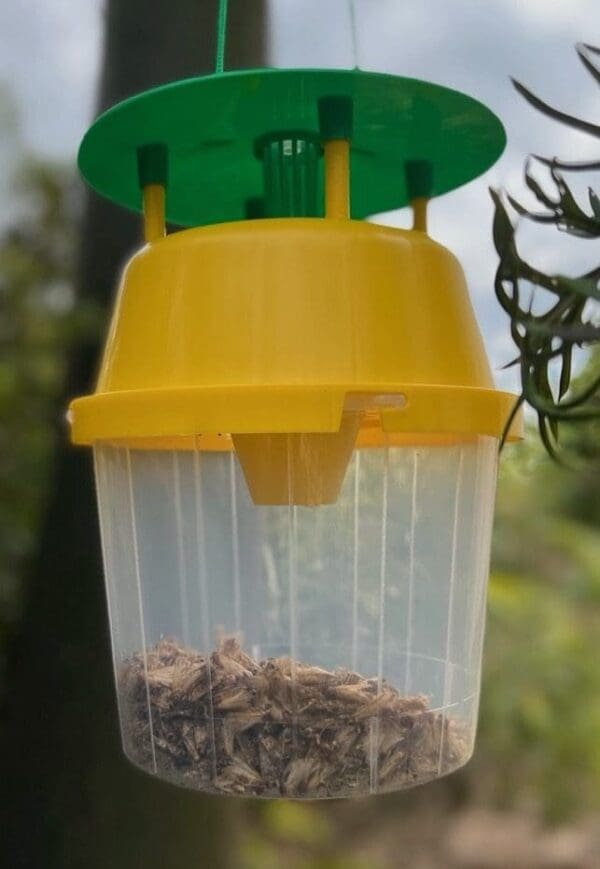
[(71, 798)]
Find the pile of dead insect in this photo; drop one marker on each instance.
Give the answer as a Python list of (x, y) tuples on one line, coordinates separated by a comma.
[(228, 723)]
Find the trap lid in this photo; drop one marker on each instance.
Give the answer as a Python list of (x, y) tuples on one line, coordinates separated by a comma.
[(290, 325), (210, 126)]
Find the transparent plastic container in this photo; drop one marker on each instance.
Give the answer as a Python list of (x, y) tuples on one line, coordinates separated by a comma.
[(294, 651)]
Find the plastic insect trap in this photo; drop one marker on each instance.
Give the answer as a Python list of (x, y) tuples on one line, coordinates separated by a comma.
[(295, 433)]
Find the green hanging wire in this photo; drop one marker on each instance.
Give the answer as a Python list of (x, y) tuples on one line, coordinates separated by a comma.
[(221, 36)]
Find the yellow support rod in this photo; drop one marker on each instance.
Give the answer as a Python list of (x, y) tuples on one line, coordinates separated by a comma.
[(153, 196), (337, 178), (419, 207)]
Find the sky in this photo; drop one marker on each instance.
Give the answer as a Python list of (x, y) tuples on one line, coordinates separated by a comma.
[(49, 59)]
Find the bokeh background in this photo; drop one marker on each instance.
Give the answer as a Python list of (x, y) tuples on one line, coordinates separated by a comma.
[(531, 796)]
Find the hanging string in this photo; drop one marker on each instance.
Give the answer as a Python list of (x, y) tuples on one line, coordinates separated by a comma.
[(353, 32), (221, 36)]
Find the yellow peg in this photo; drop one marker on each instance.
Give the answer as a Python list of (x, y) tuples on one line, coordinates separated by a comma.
[(419, 209), (152, 162), (154, 212), (335, 121), (337, 179), (419, 187)]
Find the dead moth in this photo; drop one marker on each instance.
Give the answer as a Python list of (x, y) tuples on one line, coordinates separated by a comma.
[(227, 723)]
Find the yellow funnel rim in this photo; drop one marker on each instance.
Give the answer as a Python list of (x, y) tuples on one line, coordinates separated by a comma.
[(185, 413)]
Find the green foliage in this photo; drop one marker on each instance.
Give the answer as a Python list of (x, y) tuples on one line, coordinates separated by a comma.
[(540, 714), (572, 492), (541, 699), (565, 321), (38, 322), (299, 835)]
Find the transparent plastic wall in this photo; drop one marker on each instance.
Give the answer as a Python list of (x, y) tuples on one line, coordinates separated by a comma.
[(298, 651)]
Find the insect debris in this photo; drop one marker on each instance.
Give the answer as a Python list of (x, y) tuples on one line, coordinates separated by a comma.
[(228, 723)]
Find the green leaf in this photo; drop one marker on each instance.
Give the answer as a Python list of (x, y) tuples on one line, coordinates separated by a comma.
[(591, 67), (510, 364), (582, 397), (503, 230), (560, 284), (512, 416), (578, 286), (593, 275), (552, 334), (562, 117), (546, 437), (578, 333), (542, 383), (567, 166), (568, 206), (537, 217), (509, 303), (538, 191), (565, 371)]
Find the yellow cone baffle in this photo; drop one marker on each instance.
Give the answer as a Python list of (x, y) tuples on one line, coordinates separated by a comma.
[(295, 432)]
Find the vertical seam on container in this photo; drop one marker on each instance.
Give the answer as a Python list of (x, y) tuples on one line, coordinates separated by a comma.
[(105, 533), (485, 546), (292, 567), (183, 592), (201, 550), (355, 563), (411, 574), (374, 765), (204, 601), (478, 510), (235, 543), (140, 603), (447, 679)]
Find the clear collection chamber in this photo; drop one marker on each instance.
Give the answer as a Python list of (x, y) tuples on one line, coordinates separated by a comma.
[(300, 651)]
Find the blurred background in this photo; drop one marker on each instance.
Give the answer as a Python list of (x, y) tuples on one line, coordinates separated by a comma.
[(531, 796)]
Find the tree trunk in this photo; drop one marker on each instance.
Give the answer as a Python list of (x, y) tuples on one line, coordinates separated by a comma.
[(71, 798)]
